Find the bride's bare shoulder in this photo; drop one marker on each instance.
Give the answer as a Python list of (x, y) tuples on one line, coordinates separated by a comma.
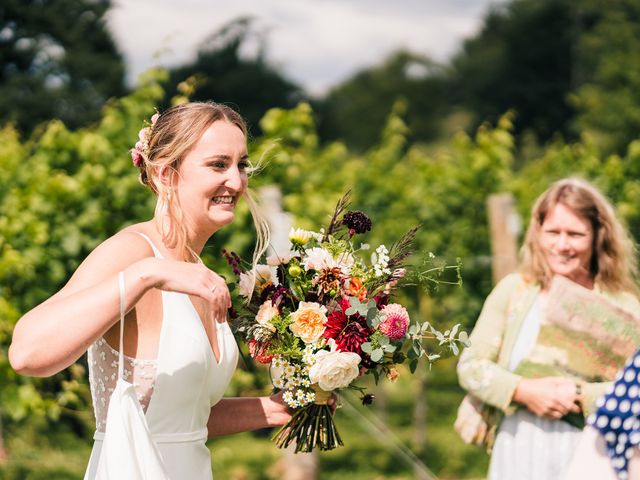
[(115, 253)]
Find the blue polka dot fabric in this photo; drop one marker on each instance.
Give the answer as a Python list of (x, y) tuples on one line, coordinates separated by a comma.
[(617, 416)]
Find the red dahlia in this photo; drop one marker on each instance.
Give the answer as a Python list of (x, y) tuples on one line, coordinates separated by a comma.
[(349, 332)]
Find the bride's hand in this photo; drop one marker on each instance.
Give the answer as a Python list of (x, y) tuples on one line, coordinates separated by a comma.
[(276, 411), (189, 278)]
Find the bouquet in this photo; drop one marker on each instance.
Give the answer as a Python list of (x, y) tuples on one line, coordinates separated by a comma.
[(322, 316)]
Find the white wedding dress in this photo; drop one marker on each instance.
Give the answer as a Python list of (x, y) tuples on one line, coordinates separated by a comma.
[(176, 390)]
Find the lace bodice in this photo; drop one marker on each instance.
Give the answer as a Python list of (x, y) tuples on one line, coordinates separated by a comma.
[(103, 372)]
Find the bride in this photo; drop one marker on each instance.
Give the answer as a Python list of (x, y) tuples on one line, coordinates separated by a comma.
[(177, 353)]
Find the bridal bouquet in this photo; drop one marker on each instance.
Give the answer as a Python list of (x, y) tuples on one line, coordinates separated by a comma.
[(322, 315)]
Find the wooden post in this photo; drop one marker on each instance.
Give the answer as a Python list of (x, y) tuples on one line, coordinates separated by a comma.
[(504, 225), (3, 452), (295, 466)]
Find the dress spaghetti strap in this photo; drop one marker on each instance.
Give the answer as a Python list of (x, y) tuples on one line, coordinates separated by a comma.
[(121, 351), (156, 252)]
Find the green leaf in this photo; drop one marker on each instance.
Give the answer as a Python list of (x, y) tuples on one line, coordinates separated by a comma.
[(367, 347), (357, 307), (377, 355), (413, 365), (373, 317)]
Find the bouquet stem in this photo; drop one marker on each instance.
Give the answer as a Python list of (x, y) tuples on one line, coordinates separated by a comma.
[(310, 427)]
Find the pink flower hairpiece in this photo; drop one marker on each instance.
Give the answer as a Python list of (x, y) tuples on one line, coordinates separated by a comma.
[(140, 151)]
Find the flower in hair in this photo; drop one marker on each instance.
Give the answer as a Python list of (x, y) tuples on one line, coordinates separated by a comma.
[(140, 150)]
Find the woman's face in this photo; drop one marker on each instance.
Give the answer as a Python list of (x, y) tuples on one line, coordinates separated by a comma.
[(213, 177), (566, 239)]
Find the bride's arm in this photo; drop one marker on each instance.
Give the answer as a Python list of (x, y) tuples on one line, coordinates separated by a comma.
[(241, 414), (54, 334), (57, 332)]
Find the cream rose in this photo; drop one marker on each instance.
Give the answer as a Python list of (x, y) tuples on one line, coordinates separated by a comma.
[(333, 370), (265, 313), (309, 321)]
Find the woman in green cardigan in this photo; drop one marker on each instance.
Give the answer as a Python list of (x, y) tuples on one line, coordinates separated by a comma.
[(574, 233)]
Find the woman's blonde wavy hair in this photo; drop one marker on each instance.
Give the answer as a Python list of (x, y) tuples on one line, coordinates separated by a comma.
[(171, 138), (613, 262)]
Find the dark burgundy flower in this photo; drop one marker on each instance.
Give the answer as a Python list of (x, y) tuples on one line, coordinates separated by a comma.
[(356, 222), (281, 295), (381, 300), (267, 292), (349, 332), (368, 399)]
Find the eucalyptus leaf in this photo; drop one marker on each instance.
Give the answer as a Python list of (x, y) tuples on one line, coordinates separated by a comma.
[(373, 318), (411, 354), (377, 355), (366, 347), (417, 348), (413, 365)]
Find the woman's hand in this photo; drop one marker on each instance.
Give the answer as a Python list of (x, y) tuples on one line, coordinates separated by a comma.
[(191, 279), (276, 411), (550, 397)]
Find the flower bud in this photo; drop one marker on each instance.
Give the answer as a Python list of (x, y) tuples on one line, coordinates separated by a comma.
[(295, 270)]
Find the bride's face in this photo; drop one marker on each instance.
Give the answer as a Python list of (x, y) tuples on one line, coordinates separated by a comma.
[(213, 177)]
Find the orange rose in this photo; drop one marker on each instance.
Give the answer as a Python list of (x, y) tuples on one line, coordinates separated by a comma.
[(356, 289), (309, 321)]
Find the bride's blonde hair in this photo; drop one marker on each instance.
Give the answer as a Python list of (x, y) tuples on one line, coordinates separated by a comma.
[(171, 137)]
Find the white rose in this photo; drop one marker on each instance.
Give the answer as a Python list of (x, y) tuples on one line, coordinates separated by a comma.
[(333, 370), (265, 313)]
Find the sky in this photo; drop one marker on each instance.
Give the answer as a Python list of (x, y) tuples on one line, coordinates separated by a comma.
[(315, 43)]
